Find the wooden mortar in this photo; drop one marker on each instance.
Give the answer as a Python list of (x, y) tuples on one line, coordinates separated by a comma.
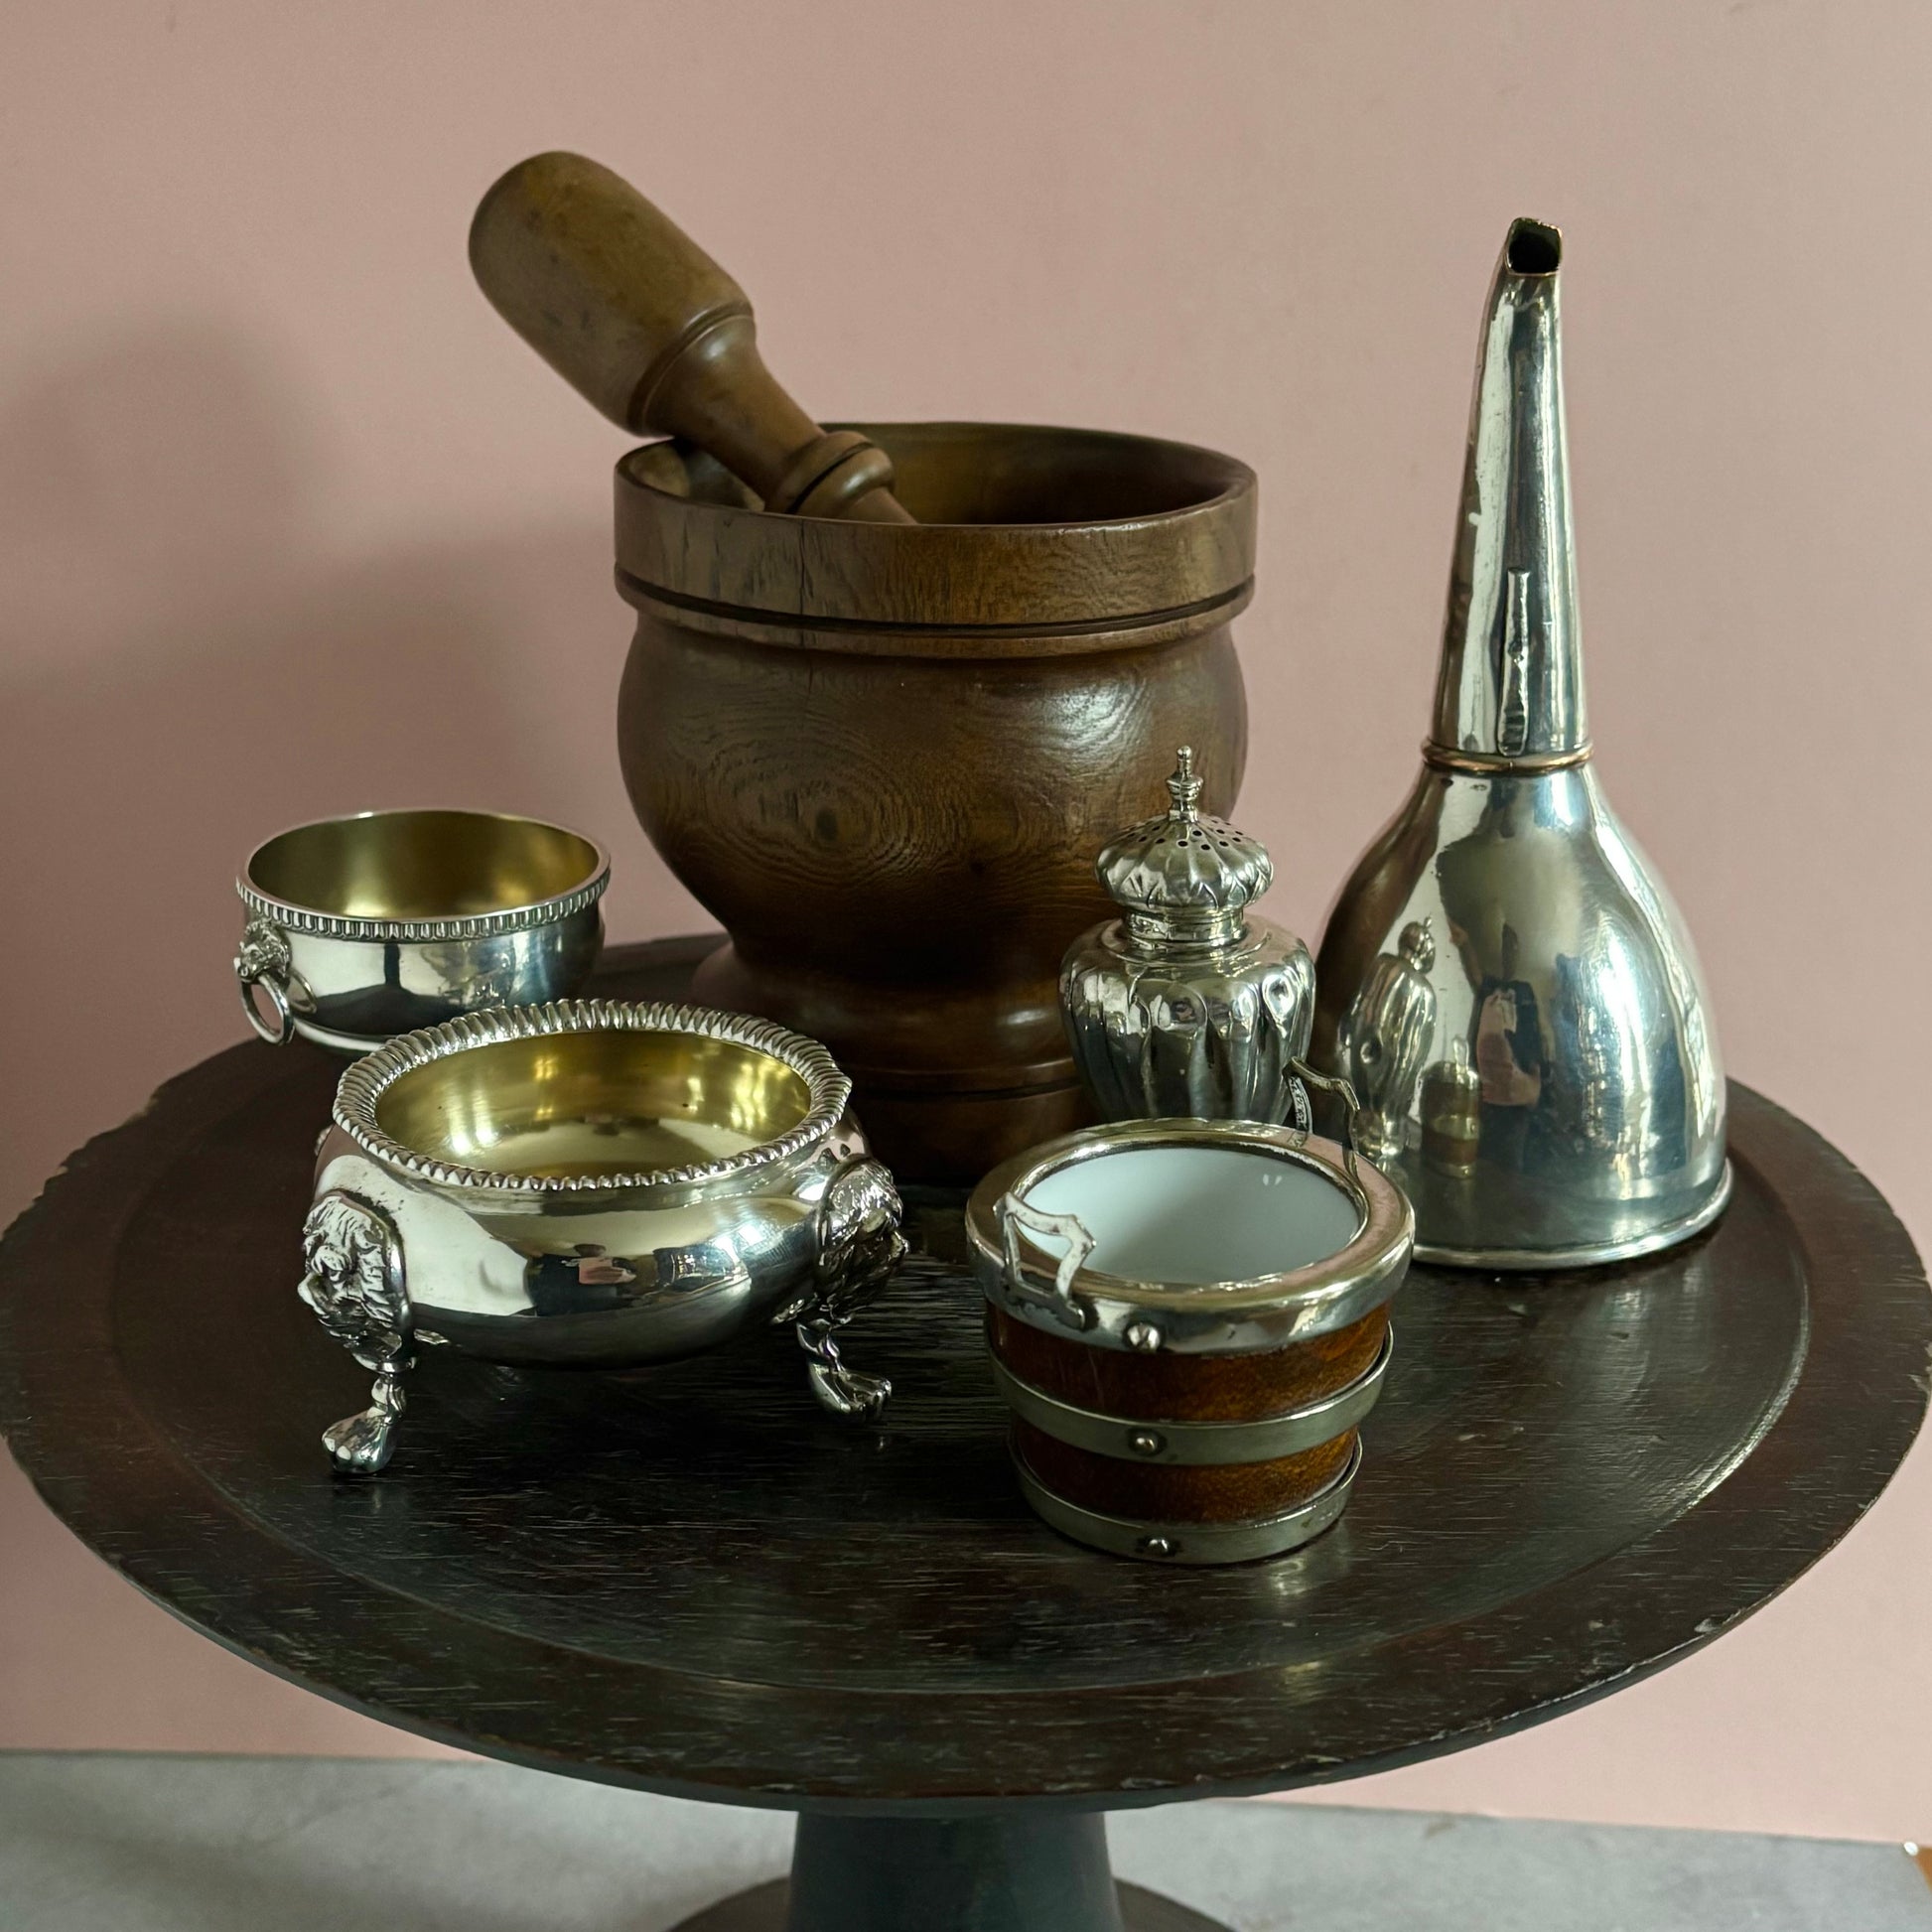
[(883, 754)]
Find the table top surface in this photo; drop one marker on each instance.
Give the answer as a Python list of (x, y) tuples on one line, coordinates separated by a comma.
[(688, 1578)]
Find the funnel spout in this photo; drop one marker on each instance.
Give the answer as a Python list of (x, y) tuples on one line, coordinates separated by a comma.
[(1511, 688), (1504, 982)]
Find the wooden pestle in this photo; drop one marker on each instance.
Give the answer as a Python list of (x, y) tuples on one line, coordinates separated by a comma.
[(633, 315)]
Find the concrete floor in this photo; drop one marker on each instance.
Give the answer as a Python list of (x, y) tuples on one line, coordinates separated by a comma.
[(148, 1844)]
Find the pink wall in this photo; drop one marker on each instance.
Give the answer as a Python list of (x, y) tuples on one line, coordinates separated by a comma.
[(290, 524)]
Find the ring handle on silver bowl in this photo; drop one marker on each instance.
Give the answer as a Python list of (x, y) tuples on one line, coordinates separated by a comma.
[(262, 961), (1013, 1215)]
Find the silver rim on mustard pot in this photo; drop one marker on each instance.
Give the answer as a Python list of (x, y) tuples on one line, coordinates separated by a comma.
[(1150, 1265)]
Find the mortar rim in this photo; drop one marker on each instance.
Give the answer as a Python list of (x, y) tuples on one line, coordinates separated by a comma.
[(1179, 564)]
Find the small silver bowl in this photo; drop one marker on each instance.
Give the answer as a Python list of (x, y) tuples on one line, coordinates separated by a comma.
[(363, 929), (593, 1185)]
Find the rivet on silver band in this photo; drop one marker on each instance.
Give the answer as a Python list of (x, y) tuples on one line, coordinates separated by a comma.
[(1192, 1543), (1261, 1438)]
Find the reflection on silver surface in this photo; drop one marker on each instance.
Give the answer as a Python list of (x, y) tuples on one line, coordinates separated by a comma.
[(362, 928), (1060, 1292), (518, 1185), (1563, 994), (1451, 1113), (1384, 1038), (1190, 1005)]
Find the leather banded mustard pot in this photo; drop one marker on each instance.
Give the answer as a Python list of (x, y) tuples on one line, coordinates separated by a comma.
[(1188, 1320)]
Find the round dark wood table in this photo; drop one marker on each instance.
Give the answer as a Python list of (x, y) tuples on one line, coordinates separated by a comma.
[(691, 1581)]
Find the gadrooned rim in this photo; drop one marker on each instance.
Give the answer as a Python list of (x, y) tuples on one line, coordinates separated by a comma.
[(1380, 1246), (474, 925), (365, 1084)]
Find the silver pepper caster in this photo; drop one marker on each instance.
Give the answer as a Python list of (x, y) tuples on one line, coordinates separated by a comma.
[(1504, 980), (1188, 1005)]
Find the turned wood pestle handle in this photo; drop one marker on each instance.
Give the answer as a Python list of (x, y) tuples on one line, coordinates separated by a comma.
[(632, 314)]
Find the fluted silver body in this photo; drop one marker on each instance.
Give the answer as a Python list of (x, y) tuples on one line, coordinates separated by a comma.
[(1162, 1037), (1188, 1005), (1503, 942)]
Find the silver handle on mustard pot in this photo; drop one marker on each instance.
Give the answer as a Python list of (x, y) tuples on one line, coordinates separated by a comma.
[(1015, 1214), (1324, 1084)]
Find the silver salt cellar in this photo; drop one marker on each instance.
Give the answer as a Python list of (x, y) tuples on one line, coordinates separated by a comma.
[(1188, 1005)]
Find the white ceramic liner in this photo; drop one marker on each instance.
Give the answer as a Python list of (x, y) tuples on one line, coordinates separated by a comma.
[(1194, 1216)]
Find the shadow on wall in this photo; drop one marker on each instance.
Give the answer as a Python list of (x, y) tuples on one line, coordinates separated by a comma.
[(187, 669)]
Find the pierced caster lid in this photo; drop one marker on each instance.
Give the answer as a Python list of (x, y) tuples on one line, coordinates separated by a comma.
[(1185, 867)]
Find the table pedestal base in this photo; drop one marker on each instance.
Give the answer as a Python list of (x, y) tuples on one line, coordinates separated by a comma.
[(1003, 1873)]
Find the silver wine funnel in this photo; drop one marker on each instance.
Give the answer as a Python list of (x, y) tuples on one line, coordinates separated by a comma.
[(1504, 980)]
